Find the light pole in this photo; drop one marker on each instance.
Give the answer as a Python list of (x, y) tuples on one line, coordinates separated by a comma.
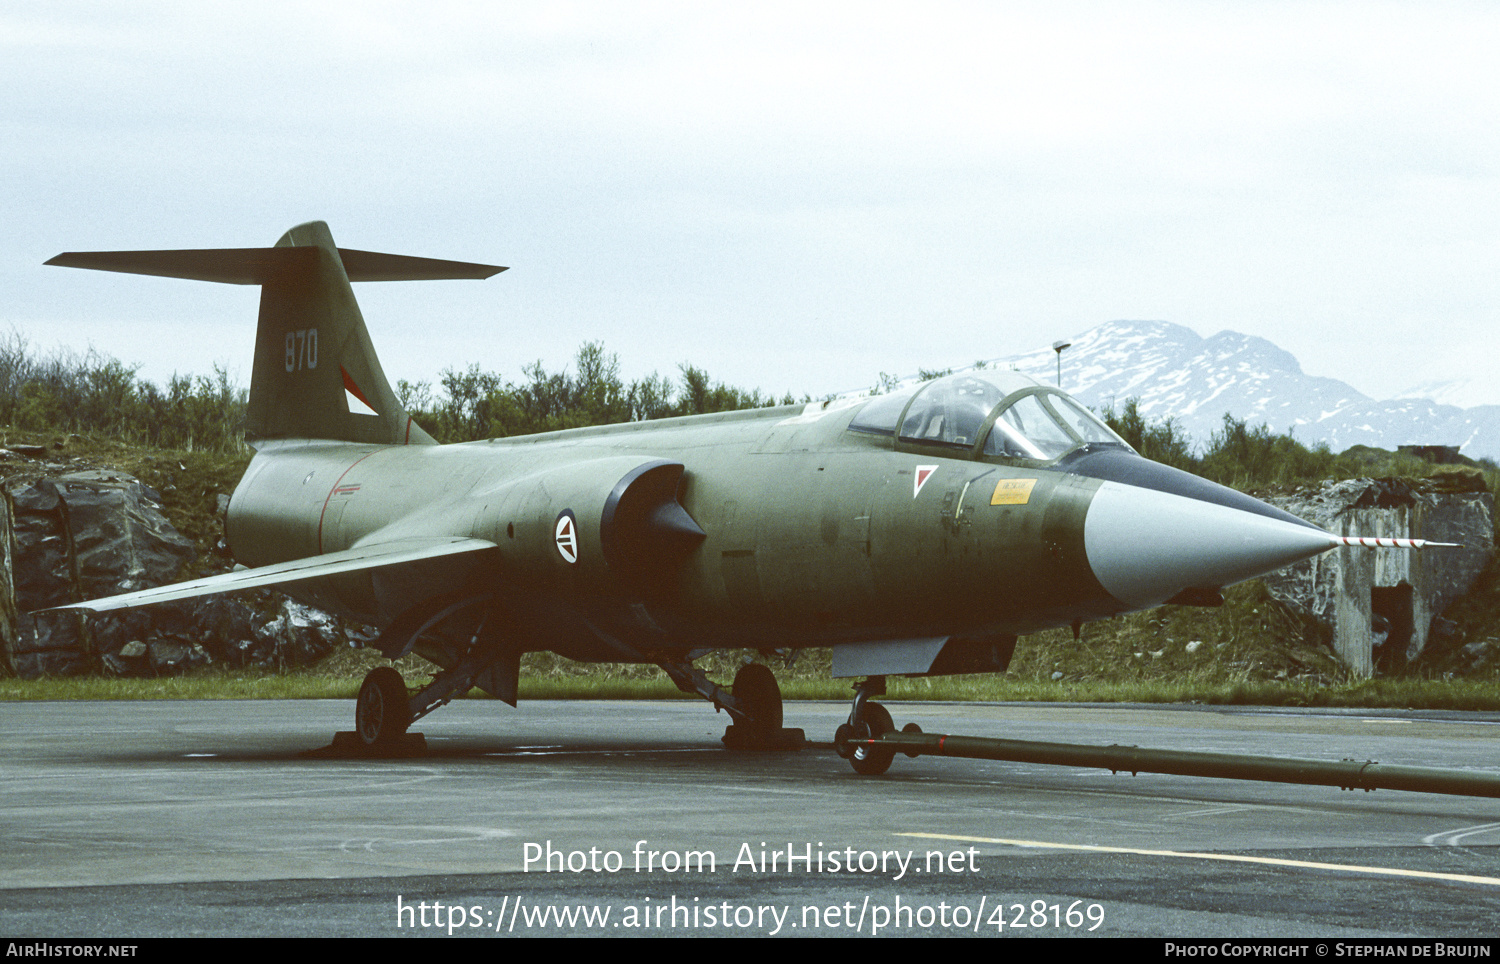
[(1058, 347)]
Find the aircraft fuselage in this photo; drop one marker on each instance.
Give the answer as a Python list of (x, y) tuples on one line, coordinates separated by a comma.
[(814, 535)]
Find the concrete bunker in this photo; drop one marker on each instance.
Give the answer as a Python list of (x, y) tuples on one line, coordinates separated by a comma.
[(1381, 604)]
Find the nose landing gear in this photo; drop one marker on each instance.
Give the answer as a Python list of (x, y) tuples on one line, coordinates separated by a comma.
[(867, 721)]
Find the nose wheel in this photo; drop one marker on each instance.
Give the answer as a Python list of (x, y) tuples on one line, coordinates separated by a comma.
[(867, 721), (871, 761)]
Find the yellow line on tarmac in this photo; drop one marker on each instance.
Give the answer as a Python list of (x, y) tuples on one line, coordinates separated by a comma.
[(1233, 858)]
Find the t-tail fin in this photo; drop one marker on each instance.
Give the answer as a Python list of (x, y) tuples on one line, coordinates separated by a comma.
[(315, 373)]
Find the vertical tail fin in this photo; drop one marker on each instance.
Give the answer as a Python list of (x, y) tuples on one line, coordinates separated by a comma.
[(315, 373)]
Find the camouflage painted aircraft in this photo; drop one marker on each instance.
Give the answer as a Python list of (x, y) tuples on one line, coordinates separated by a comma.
[(915, 533)]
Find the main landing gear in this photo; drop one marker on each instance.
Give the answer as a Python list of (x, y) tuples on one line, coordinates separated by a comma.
[(753, 702), (759, 727), (381, 713), (385, 711)]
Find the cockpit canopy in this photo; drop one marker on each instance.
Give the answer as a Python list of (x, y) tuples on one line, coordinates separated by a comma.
[(1015, 416)]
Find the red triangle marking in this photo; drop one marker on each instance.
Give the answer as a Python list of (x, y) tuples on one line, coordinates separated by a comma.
[(924, 472), (352, 388)]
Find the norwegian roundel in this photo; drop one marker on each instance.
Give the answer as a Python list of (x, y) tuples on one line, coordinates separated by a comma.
[(566, 532)]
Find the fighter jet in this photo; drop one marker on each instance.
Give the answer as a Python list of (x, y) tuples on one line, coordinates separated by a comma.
[(916, 533)]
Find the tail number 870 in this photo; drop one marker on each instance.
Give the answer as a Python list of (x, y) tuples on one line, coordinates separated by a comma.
[(301, 349)]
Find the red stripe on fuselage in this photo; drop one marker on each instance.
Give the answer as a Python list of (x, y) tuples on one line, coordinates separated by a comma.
[(334, 489)]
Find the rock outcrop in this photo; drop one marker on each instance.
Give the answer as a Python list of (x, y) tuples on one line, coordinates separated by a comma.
[(84, 534)]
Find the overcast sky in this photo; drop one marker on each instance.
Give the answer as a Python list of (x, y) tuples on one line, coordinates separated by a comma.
[(795, 197)]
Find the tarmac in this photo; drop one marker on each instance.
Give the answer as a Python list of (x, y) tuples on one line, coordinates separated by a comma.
[(210, 818)]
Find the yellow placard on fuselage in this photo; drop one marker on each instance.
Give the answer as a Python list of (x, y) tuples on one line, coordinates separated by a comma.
[(1013, 492)]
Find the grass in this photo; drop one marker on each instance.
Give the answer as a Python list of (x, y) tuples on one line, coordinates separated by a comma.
[(208, 685), (649, 683)]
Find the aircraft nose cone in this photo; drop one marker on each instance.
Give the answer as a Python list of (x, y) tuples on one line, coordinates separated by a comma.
[(1146, 546)]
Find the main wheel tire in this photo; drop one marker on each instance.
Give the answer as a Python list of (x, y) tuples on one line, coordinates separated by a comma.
[(381, 714), (871, 761), (755, 686)]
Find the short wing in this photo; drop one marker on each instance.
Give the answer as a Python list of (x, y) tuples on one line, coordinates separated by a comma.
[(329, 564)]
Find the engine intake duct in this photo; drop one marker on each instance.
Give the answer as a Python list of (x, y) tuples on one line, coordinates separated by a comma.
[(643, 529)]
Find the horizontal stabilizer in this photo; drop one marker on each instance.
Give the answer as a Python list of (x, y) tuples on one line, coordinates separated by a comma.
[(329, 564), (254, 266), (374, 266)]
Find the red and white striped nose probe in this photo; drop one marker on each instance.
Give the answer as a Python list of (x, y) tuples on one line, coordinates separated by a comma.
[(1387, 542)]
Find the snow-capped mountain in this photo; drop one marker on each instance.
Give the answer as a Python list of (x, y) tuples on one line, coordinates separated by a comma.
[(1178, 374), (1458, 392)]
